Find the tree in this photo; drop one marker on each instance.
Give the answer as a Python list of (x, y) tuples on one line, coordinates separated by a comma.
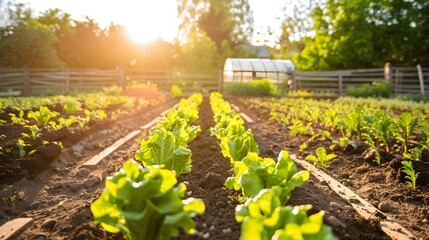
[(365, 34), (228, 23), (29, 44), (25, 41), (198, 53)]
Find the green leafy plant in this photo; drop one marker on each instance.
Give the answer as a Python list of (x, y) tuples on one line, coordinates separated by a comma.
[(42, 116), (72, 105), (259, 87), (162, 148), (321, 158), (411, 175), (298, 128), (381, 129), (255, 173), (376, 89), (35, 131), (404, 128), (343, 142), (374, 149), (414, 153), (21, 144), (265, 217), (95, 114), (145, 203), (176, 91), (18, 120)]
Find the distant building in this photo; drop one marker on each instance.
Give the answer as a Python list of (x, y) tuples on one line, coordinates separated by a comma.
[(246, 69)]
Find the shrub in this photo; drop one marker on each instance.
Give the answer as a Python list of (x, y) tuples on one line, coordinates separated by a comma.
[(260, 87), (376, 89)]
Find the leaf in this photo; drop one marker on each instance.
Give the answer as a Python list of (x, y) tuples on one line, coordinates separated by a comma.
[(251, 184), (311, 158)]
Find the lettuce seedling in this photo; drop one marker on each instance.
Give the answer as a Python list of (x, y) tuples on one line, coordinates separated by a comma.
[(265, 217), (145, 203), (42, 116), (321, 159), (255, 173), (161, 148)]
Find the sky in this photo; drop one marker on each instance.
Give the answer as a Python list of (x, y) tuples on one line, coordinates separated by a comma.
[(147, 20)]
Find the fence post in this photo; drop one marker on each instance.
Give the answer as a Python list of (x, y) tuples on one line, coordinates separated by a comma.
[(220, 81), (387, 72), (294, 84), (396, 81), (340, 82), (420, 73), (121, 75), (26, 90), (67, 80)]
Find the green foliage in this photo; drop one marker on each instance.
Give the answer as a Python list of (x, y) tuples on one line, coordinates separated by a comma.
[(265, 217), (376, 89), (35, 131), (411, 175), (28, 44), (162, 149), (255, 173), (298, 128), (42, 116), (381, 127), (167, 143), (259, 87), (18, 120), (374, 149), (322, 158), (364, 34), (144, 203), (404, 128), (21, 144), (72, 105), (176, 91), (112, 90)]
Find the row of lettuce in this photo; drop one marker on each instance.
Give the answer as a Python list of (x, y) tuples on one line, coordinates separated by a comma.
[(266, 183), (403, 130), (146, 202), (37, 117)]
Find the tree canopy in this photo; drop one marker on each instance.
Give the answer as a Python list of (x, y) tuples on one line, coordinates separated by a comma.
[(363, 34)]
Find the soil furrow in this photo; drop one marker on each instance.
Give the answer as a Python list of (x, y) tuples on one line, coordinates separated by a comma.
[(206, 181)]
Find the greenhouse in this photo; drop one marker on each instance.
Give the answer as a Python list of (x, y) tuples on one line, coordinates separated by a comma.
[(246, 69)]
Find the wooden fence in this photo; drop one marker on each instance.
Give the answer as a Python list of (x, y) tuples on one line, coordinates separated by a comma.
[(65, 80), (404, 80), (27, 81)]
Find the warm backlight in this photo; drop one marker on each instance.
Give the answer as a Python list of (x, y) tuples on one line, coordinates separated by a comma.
[(149, 20)]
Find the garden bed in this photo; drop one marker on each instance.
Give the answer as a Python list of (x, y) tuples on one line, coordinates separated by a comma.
[(383, 186), (59, 197)]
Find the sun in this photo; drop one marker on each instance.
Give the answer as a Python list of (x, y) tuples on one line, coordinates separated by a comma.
[(151, 20)]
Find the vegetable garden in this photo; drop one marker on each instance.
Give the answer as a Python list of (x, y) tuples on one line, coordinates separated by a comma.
[(195, 169)]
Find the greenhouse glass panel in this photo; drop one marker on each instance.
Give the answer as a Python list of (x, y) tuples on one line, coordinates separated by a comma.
[(246, 69)]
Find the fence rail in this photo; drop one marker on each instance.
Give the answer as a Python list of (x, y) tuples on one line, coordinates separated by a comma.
[(404, 80), (27, 81)]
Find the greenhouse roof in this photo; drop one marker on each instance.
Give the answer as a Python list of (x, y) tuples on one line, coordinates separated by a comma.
[(258, 65)]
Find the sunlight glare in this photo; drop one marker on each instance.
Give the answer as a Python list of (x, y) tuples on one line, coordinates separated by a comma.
[(149, 20)]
